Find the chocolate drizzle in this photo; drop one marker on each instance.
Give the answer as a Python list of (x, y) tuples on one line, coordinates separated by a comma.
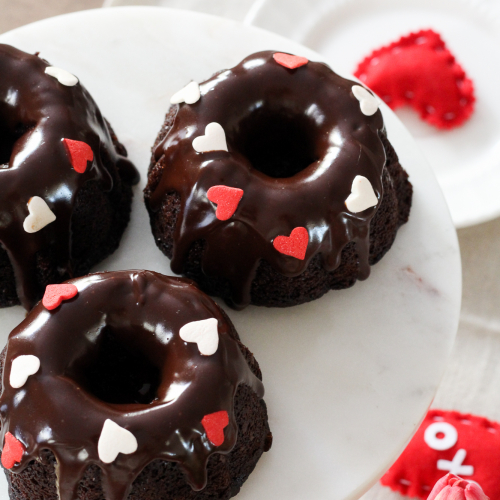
[(36, 113), (139, 312), (296, 140)]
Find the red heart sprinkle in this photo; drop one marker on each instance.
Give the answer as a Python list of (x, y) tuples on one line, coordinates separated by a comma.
[(214, 424), (55, 294), (13, 451), (294, 245), (226, 198), (420, 71), (80, 153), (290, 61)]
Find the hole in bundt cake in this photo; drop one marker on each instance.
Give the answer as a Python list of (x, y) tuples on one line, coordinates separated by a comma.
[(8, 138), (116, 373), (277, 144)]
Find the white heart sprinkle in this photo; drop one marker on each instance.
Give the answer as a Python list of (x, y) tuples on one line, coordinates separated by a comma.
[(362, 195), (114, 440), (22, 367), (205, 333), (367, 101), (213, 140), (40, 215), (64, 77), (189, 94)]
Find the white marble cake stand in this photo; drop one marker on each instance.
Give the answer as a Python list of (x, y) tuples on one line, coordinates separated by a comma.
[(349, 376)]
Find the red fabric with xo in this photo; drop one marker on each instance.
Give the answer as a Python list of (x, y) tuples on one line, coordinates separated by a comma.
[(448, 441)]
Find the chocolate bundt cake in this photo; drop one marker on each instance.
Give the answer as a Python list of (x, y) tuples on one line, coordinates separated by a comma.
[(129, 385), (274, 182), (65, 182)]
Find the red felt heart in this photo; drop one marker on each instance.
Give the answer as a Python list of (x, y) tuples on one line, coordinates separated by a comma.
[(290, 61), (12, 452), (80, 153), (214, 425), (294, 245), (226, 198), (420, 71), (472, 443), (55, 294)]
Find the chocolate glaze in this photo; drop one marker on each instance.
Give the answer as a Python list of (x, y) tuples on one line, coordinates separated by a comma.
[(144, 311), (36, 113), (317, 108)]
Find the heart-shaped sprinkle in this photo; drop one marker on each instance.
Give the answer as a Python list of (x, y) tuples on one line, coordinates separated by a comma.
[(205, 333), (294, 245), (79, 153), (290, 61), (189, 94), (418, 70), (227, 200), (13, 451), (214, 425), (368, 103), (362, 195), (22, 367), (114, 440), (55, 294), (213, 140), (63, 77), (40, 215)]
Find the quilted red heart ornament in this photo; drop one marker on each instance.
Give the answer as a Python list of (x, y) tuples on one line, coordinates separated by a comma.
[(80, 153), (227, 200), (420, 71), (294, 245), (214, 425), (447, 441), (290, 61), (55, 294), (12, 452)]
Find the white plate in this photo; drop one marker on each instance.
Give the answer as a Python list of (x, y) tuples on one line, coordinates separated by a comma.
[(349, 376), (231, 9), (466, 160)]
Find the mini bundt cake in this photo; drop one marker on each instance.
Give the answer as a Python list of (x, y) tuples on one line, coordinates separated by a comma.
[(129, 385), (65, 182), (274, 182)]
